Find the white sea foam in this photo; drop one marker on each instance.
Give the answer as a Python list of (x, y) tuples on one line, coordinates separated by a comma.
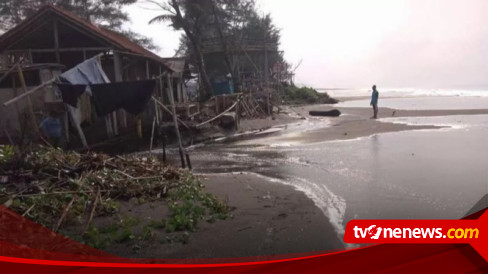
[(332, 205), (409, 92)]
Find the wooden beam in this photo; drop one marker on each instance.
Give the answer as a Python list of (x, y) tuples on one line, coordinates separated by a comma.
[(31, 59), (117, 67), (119, 78), (56, 40), (17, 109), (29, 102), (4, 60), (175, 120), (147, 70)]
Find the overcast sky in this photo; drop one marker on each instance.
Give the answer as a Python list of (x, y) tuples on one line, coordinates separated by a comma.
[(355, 43)]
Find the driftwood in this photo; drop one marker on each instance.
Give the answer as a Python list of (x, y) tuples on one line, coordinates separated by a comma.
[(65, 212), (330, 113), (92, 211), (28, 210)]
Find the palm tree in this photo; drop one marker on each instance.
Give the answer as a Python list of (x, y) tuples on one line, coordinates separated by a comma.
[(191, 22)]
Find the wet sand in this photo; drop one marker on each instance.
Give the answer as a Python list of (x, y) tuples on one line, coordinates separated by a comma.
[(272, 218), (268, 219), (357, 122)]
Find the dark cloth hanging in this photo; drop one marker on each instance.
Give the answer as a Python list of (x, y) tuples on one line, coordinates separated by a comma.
[(131, 96), (71, 93)]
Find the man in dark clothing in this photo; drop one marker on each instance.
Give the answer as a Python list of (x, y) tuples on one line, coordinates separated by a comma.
[(51, 127), (374, 102)]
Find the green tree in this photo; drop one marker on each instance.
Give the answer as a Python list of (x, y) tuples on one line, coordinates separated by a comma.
[(191, 17), (105, 13), (216, 34)]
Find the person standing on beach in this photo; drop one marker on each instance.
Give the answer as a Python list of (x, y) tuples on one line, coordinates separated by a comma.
[(374, 102)]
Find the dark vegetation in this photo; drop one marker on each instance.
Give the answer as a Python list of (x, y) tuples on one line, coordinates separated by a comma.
[(83, 195), (216, 34), (305, 95)]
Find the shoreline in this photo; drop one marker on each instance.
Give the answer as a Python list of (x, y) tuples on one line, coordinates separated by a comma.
[(352, 124), (273, 218)]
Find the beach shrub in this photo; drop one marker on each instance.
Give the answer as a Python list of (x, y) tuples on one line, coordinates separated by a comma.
[(305, 95)]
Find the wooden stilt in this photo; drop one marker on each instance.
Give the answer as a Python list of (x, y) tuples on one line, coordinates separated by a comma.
[(139, 127), (188, 161), (237, 114), (108, 125), (114, 123), (217, 107), (268, 105), (170, 112), (164, 148), (175, 120), (66, 126), (17, 109), (152, 133)]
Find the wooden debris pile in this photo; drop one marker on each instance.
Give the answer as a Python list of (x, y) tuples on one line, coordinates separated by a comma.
[(54, 187)]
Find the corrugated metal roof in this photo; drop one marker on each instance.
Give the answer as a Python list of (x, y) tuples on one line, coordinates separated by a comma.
[(176, 64), (119, 41)]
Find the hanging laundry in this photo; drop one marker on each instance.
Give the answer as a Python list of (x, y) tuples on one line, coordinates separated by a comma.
[(71, 93), (131, 96), (86, 73)]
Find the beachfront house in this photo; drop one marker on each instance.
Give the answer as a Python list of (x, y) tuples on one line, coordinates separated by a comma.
[(53, 41)]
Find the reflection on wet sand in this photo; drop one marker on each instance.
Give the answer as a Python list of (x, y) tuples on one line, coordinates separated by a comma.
[(409, 174)]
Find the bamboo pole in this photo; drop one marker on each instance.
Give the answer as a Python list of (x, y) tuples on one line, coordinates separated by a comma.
[(17, 108), (152, 134), (29, 102), (139, 126), (17, 98), (170, 112), (164, 147), (175, 120)]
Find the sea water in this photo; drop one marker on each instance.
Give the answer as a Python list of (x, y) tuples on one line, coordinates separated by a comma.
[(416, 174)]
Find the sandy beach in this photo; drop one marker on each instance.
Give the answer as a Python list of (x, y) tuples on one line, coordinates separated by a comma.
[(275, 218), (268, 219)]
